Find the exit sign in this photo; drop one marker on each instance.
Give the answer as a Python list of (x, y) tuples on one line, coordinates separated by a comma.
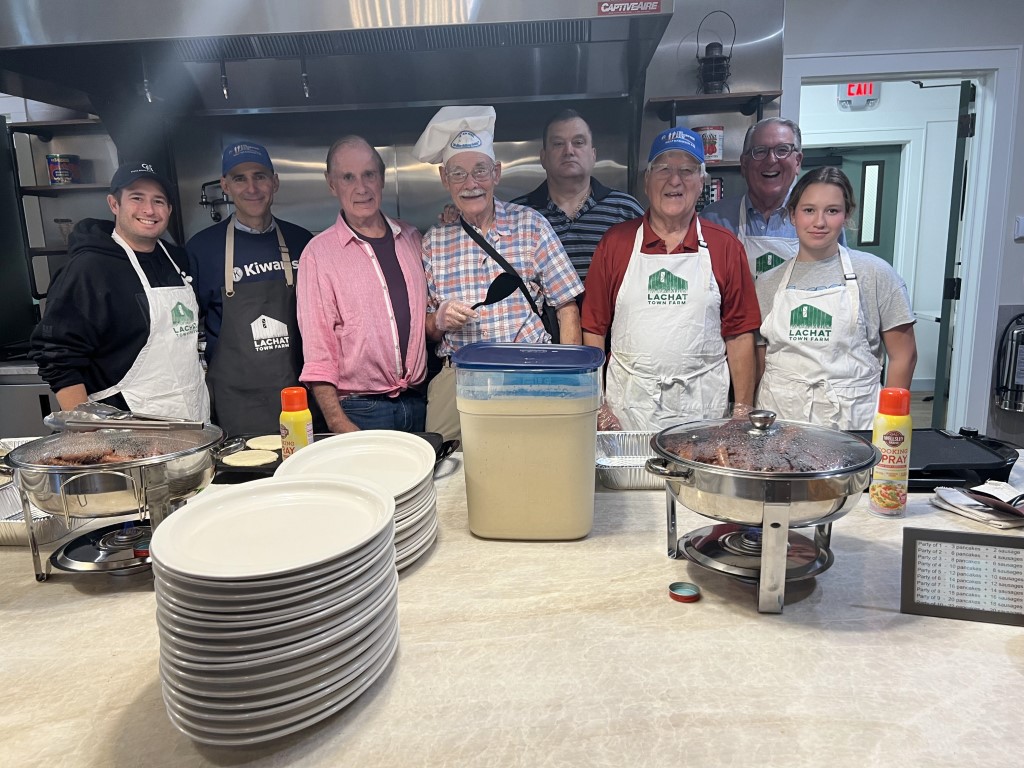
[(854, 97)]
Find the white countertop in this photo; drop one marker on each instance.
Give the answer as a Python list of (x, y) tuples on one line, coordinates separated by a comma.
[(559, 654)]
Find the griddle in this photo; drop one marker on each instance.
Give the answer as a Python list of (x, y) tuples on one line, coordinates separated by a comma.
[(964, 459)]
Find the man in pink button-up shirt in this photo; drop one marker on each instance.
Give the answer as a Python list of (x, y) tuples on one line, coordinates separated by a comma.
[(362, 304)]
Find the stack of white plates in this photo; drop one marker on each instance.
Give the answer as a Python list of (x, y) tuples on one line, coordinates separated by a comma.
[(277, 605), (399, 462)]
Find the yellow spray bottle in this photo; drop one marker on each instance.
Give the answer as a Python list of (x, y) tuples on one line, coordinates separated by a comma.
[(891, 435)]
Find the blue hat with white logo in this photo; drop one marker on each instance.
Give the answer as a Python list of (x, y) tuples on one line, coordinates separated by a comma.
[(245, 152), (681, 139)]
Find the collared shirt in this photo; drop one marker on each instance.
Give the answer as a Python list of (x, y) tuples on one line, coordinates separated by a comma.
[(257, 257), (349, 334), (604, 208), (726, 213), (457, 268), (252, 230), (741, 312)]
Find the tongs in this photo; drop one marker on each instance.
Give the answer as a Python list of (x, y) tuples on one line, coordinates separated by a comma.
[(89, 426), (124, 420)]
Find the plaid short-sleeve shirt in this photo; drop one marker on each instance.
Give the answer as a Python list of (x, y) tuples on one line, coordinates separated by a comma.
[(457, 268)]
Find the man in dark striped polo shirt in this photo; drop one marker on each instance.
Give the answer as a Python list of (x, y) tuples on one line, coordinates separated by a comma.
[(579, 207)]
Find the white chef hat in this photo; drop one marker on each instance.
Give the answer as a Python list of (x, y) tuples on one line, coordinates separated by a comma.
[(456, 129)]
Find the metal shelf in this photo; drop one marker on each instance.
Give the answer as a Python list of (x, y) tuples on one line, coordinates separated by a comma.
[(53, 190), (668, 108), (46, 130)]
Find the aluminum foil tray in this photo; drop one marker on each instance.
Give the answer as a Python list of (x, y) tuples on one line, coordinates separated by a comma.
[(12, 520), (621, 457)]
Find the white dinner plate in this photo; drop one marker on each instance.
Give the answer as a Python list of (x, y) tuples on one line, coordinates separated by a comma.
[(418, 549), (275, 677), (201, 607), (213, 633), (219, 648), (413, 534), (401, 514), (397, 461), (248, 532), (194, 659), (270, 670), (315, 697), (285, 584), (334, 704), (409, 524), (250, 699), (414, 494)]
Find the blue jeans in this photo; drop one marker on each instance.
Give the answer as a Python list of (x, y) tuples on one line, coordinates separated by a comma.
[(407, 413)]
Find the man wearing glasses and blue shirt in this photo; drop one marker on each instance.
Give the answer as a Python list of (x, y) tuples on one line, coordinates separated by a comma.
[(770, 163), (675, 297)]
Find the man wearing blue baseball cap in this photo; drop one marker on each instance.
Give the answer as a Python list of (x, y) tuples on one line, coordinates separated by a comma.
[(245, 270), (676, 297)]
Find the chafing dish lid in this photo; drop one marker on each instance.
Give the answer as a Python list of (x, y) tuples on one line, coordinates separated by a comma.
[(761, 444)]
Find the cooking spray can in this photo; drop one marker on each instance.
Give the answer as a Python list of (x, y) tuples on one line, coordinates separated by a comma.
[(296, 421), (891, 435)]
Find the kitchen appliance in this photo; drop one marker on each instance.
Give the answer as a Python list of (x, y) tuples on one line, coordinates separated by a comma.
[(1010, 366), (760, 478), (148, 472), (955, 459)]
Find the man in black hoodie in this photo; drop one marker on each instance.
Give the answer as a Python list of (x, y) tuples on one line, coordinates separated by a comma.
[(121, 322)]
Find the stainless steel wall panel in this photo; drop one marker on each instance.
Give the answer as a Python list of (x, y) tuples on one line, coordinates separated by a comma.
[(298, 145)]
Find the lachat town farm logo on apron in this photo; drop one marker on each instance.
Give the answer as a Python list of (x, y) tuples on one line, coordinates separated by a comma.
[(807, 323), (767, 261), (183, 321), (665, 288), (268, 334)]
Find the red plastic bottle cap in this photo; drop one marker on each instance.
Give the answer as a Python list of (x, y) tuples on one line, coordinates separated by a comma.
[(293, 399), (684, 592), (894, 401)]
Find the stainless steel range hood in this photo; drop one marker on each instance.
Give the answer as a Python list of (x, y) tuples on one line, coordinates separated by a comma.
[(194, 57)]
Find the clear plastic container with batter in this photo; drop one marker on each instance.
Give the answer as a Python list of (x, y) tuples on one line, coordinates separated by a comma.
[(529, 431)]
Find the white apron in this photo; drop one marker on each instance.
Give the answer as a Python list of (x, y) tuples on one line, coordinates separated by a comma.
[(756, 246), (814, 372), (667, 362), (166, 378)]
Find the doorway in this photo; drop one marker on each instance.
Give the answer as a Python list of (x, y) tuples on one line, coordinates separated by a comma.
[(996, 72), (874, 173), (900, 159)]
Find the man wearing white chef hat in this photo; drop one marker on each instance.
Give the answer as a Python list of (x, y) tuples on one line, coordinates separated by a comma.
[(462, 258)]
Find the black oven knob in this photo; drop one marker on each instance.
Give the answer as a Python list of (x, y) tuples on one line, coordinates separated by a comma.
[(969, 431)]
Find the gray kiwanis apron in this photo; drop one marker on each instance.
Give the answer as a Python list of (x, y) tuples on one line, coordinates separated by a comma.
[(258, 349)]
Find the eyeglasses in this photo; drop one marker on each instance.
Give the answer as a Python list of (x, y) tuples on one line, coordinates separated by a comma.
[(781, 151), (663, 172), (480, 173)]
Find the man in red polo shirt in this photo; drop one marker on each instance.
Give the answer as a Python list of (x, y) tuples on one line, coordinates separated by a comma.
[(676, 297)]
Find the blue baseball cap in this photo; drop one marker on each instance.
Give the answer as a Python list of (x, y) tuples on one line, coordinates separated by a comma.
[(245, 152), (682, 139)]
